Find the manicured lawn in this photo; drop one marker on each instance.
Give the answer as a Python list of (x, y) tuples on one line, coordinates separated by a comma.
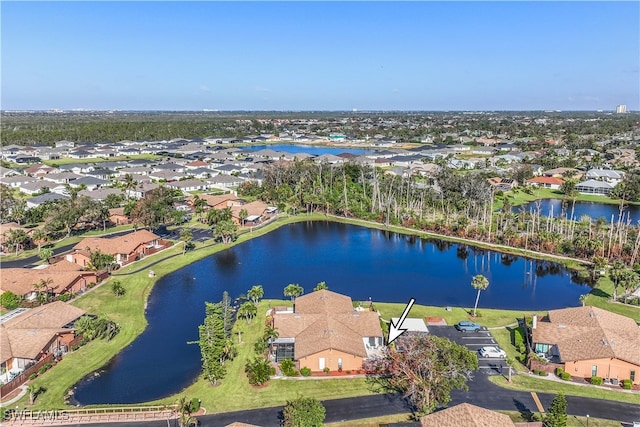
[(373, 422), (487, 317), (572, 420), (600, 295), (525, 382), (519, 197)]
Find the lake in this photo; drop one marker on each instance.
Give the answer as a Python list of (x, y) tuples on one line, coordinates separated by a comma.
[(309, 149), (360, 262), (593, 209)]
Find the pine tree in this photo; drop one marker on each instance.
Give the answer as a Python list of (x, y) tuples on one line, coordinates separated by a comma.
[(227, 313), (557, 412), (212, 343)]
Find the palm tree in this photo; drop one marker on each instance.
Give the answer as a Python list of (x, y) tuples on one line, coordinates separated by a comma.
[(321, 286), (615, 274), (293, 290), (247, 311), (40, 236), (480, 283), (40, 286), (255, 293), (599, 264), (583, 299), (243, 214), (629, 281)]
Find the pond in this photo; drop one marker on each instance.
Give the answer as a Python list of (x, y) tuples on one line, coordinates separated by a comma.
[(592, 209), (360, 262), (309, 149)]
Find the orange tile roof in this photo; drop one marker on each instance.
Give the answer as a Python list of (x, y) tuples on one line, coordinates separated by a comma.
[(327, 320), (117, 245), (584, 333), (546, 180), (28, 334)]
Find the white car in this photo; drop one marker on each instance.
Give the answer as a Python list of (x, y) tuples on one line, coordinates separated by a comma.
[(492, 352)]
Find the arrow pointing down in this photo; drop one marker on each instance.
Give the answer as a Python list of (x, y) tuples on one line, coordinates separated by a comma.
[(396, 329)]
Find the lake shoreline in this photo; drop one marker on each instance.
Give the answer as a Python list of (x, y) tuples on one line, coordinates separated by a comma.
[(140, 270)]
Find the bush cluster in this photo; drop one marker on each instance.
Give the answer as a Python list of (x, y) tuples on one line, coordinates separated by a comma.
[(288, 368), (540, 372), (596, 380), (305, 372), (627, 384)]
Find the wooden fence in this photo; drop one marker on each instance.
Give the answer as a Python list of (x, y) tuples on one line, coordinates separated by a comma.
[(24, 376)]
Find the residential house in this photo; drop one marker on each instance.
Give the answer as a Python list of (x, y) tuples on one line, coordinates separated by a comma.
[(35, 186), (325, 331), (34, 334), (468, 415), (225, 181), (216, 202), (606, 175), (546, 182), (503, 184), (100, 194), (61, 277), (125, 249), (589, 341), (118, 217), (563, 172), (142, 190), (36, 201), (257, 212), (189, 185), (592, 186)]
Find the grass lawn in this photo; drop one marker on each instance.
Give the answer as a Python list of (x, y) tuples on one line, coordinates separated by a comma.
[(600, 295), (572, 420), (525, 382), (373, 422)]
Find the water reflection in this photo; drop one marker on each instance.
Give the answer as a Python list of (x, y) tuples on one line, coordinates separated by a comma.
[(352, 260)]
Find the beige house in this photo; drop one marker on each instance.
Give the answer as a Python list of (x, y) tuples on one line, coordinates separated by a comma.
[(36, 333), (590, 341), (325, 331), (125, 249)]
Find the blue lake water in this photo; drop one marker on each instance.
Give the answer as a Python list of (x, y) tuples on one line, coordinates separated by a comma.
[(309, 149), (360, 262), (592, 209)]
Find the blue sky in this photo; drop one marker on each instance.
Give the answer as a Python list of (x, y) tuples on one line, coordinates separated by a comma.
[(320, 55)]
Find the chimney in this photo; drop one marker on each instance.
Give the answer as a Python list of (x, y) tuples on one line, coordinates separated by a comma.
[(534, 323)]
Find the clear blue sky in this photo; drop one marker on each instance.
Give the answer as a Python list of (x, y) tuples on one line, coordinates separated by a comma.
[(320, 55)]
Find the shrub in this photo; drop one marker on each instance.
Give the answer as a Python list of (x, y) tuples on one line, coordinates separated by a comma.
[(559, 371), (42, 370), (194, 405), (596, 380), (65, 297), (348, 372), (305, 372), (9, 300), (34, 375), (627, 384), (540, 372), (91, 285), (326, 370), (258, 371), (288, 368), (565, 376), (260, 346)]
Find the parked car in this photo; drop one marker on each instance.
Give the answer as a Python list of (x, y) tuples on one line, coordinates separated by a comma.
[(467, 326), (492, 352)]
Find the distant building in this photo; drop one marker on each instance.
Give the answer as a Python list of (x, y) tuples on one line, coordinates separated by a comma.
[(621, 109)]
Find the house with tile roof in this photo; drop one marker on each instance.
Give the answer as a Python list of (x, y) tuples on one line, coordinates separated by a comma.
[(323, 330), (61, 277), (125, 249), (589, 341), (36, 333), (546, 182), (466, 415)]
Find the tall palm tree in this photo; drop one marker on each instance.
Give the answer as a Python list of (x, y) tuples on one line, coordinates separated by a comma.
[(480, 283), (615, 274), (293, 290), (40, 236)]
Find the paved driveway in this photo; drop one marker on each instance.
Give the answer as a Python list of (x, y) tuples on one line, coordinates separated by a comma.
[(473, 341)]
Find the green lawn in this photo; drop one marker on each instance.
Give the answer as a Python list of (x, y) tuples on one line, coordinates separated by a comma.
[(601, 294), (68, 161), (525, 382), (519, 197)]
